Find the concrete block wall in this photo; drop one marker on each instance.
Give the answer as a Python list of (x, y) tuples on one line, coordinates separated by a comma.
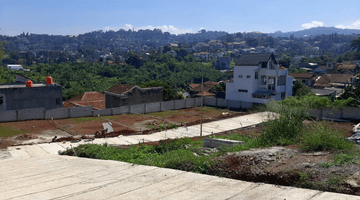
[(179, 104), (8, 116), (234, 104), (210, 102), (103, 112), (121, 110), (28, 114), (198, 101), (153, 107), (167, 105), (246, 104), (317, 113), (60, 113), (80, 112), (331, 113), (137, 109), (222, 103), (351, 113), (190, 103)]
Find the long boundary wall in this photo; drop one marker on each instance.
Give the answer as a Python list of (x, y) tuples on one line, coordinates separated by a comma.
[(352, 113)]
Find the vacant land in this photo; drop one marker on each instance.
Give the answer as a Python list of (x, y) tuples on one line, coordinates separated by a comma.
[(38, 131), (328, 168)]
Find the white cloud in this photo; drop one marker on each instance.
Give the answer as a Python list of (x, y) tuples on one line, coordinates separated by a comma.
[(312, 24), (355, 25), (171, 29)]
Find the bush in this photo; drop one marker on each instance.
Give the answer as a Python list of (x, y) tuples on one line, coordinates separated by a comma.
[(286, 126), (322, 137)]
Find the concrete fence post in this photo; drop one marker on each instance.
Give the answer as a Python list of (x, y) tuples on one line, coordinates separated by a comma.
[(174, 105), (216, 102), (17, 115), (194, 102), (145, 108), (161, 106), (69, 113)]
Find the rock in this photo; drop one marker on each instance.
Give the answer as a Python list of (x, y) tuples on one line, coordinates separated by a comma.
[(306, 165), (195, 154)]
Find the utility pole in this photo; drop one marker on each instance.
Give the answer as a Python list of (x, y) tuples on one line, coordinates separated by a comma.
[(202, 83)]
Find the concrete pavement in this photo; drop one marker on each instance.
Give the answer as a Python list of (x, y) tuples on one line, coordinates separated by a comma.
[(65, 177), (37, 172)]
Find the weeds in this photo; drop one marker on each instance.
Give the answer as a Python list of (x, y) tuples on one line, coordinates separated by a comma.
[(321, 137), (7, 131)]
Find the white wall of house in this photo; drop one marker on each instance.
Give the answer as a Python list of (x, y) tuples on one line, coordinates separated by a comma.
[(244, 84)]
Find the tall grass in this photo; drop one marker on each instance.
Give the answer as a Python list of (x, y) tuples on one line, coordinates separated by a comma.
[(320, 136), (285, 127)]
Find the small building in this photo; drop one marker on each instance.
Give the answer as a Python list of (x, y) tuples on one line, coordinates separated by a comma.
[(258, 78), (331, 94), (306, 78), (26, 93), (15, 67), (195, 89), (94, 99), (334, 80), (125, 95)]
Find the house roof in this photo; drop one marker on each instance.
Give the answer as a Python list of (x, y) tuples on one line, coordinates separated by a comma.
[(205, 94), (254, 59), (301, 75), (346, 66), (120, 89), (88, 96), (94, 99), (323, 92), (326, 79), (206, 86)]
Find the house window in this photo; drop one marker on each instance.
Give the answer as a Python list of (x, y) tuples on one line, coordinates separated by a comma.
[(1, 100), (240, 90), (248, 76), (263, 80), (240, 76), (256, 75), (261, 96), (57, 101), (271, 84)]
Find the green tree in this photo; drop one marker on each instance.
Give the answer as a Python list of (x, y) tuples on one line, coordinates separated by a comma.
[(300, 90), (355, 44)]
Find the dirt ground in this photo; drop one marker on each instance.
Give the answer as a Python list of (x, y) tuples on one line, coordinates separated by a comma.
[(38, 131)]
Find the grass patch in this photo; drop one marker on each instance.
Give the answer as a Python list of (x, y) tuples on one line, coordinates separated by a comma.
[(162, 127), (346, 157), (85, 119), (321, 137), (7, 131), (250, 142), (165, 114)]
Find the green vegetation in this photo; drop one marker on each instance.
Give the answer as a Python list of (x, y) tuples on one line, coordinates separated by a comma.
[(159, 70), (163, 127), (321, 137), (7, 131)]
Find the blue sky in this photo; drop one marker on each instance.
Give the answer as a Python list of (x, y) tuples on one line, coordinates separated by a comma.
[(71, 17)]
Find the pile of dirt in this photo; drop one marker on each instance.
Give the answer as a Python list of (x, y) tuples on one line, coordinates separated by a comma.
[(116, 133), (67, 139), (26, 137)]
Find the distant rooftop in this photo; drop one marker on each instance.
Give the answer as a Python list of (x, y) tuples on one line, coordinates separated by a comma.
[(254, 59)]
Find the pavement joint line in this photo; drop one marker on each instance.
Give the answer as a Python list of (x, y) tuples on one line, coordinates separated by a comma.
[(105, 185), (55, 179), (246, 189), (182, 172)]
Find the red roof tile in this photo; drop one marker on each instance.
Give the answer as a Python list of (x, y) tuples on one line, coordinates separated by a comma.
[(94, 99), (120, 89)]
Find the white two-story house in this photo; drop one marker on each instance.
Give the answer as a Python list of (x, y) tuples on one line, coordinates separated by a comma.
[(258, 79)]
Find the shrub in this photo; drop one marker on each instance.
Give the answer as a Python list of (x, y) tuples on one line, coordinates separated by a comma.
[(322, 137), (286, 126)]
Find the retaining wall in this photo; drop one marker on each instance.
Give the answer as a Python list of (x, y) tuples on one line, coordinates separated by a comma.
[(351, 113)]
